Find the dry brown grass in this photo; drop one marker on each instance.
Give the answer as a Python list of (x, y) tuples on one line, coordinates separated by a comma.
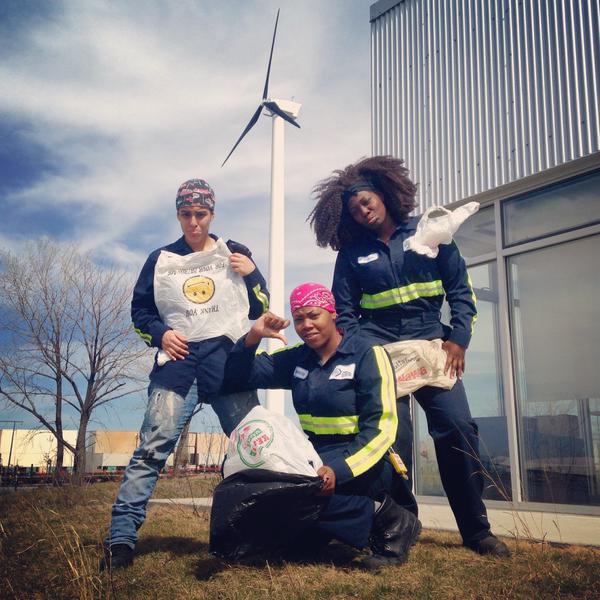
[(50, 545)]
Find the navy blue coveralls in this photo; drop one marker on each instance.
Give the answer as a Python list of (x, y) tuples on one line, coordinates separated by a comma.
[(347, 408), (389, 295), (206, 360)]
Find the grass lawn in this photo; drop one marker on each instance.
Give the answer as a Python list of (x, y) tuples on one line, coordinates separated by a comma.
[(50, 546)]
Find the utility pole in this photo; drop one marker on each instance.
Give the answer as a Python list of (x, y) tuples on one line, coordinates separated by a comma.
[(12, 439)]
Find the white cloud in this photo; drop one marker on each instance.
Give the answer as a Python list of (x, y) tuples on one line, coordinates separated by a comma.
[(132, 98)]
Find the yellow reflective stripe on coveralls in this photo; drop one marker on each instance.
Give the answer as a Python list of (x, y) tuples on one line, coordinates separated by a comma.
[(470, 285), (372, 453), (261, 297), (329, 425), (403, 294), (145, 336)]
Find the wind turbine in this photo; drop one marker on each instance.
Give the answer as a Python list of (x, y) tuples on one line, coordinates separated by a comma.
[(280, 111)]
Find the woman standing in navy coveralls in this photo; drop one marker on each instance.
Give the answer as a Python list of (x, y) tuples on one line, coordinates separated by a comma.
[(194, 326), (343, 390), (389, 294)]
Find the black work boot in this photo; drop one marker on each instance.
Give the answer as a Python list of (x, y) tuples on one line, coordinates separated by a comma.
[(117, 556), (393, 532), (491, 545)]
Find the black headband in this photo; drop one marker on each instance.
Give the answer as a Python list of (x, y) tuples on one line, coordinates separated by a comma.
[(360, 186)]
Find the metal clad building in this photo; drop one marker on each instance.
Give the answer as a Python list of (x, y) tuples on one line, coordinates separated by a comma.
[(474, 94), (498, 101)]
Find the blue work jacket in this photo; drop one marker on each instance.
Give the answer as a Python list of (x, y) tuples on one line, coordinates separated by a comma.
[(347, 406), (144, 313), (393, 294)]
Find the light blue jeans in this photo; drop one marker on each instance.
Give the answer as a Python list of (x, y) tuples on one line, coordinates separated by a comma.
[(166, 416)]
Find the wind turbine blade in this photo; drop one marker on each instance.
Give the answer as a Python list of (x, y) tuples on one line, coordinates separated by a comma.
[(266, 88), (250, 125), (274, 107)]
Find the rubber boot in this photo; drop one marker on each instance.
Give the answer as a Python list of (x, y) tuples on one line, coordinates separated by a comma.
[(393, 532)]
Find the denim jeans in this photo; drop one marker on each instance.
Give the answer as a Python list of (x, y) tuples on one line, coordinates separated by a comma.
[(166, 415)]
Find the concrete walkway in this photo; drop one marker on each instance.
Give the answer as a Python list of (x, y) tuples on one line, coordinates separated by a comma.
[(546, 526)]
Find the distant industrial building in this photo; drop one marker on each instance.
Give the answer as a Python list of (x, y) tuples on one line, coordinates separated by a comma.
[(106, 450), (110, 450), (33, 447)]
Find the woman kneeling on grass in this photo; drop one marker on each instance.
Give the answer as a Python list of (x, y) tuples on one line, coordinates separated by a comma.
[(343, 390)]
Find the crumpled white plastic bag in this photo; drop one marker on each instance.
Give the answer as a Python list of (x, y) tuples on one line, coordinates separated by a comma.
[(418, 363), (437, 226), (268, 440), (200, 295)]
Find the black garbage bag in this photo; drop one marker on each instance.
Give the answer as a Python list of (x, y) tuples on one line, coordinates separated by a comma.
[(256, 511)]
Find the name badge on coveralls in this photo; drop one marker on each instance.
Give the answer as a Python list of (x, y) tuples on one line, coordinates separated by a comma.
[(363, 260), (343, 372), (300, 373)]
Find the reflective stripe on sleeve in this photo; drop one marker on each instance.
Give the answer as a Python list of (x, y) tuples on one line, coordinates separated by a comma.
[(402, 294), (474, 298), (345, 425), (261, 297), (370, 454), (145, 336)]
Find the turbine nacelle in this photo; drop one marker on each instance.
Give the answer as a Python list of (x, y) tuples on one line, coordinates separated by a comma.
[(289, 107)]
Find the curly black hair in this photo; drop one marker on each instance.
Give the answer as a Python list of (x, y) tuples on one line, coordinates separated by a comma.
[(330, 218)]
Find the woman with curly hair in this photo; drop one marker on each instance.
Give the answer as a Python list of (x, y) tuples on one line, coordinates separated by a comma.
[(389, 294)]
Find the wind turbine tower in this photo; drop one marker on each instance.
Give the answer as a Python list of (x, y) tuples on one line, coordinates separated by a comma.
[(279, 111)]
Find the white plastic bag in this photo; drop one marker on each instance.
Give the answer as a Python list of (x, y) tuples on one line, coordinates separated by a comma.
[(200, 295), (418, 363), (268, 440), (437, 226)]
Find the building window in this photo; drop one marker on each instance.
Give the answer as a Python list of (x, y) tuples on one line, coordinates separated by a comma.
[(483, 385), (477, 235), (568, 205), (555, 342)]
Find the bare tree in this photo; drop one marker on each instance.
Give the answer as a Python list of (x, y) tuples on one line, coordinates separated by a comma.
[(70, 340)]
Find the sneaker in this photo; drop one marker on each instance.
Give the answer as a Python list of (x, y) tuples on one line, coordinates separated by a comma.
[(394, 531), (117, 556), (489, 545)]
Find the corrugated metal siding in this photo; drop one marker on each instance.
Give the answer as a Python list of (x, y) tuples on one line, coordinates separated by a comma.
[(474, 94)]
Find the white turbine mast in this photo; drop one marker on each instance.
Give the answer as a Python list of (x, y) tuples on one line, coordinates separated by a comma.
[(280, 111)]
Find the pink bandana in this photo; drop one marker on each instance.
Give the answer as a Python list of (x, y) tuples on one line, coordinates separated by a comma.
[(312, 294)]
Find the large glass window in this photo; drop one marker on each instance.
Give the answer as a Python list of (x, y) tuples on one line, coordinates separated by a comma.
[(561, 207), (556, 340), (477, 235), (484, 390)]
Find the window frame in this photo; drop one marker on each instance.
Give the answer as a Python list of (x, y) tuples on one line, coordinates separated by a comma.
[(496, 198)]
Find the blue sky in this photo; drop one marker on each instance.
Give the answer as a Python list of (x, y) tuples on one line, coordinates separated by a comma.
[(105, 107)]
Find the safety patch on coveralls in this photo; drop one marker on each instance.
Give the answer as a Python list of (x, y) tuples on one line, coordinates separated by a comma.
[(363, 260), (343, 372)]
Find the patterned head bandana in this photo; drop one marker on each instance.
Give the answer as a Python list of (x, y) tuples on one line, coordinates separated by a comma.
[(195, 191), (359, 186), (312, 294)]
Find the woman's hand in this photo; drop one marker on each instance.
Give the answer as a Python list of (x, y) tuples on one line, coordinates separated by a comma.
[(455, 362), (174, 344), (268, 325), (328, 476), (241, 264)]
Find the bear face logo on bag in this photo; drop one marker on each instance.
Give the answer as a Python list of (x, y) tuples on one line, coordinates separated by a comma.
[(253, 438), (199, 289)]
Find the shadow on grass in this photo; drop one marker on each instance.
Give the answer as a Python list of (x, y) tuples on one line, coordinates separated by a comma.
[(335, 554), (427, 539), (176, 544)]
